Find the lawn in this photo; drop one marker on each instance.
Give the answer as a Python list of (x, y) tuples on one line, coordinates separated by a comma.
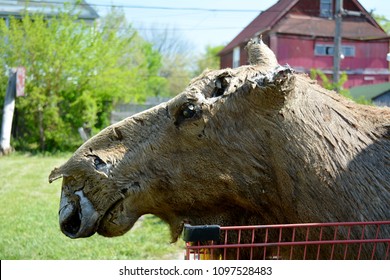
[(29, 227)]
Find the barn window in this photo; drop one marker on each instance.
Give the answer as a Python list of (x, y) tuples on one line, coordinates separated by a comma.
[(323, 49), (326, 8), (236, 57), (327, 50), (348, 50)]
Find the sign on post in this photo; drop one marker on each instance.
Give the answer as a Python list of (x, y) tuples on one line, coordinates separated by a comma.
[(20, 81)]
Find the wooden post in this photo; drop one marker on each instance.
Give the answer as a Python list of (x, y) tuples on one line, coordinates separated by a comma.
[(8, 114)]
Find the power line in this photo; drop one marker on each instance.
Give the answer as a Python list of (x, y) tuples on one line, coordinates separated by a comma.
[(189, 28), (128, 6), (176, 9)]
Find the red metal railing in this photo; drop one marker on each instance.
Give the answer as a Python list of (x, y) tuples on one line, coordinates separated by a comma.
[(348, 240)]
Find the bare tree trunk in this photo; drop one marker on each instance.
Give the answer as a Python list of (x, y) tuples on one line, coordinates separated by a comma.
[(8, 114)]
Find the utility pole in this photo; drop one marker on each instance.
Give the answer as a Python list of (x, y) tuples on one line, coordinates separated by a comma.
[(337, 43), (338, 17)]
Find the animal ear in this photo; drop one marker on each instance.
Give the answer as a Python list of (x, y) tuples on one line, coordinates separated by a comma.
[(221, 84), (259, 54), (275, 85), (55, 174)]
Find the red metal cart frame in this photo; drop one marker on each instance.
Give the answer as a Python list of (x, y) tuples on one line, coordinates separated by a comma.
[(347, 240)]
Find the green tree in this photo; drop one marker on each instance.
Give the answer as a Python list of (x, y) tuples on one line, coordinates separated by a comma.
[(208, 60), (383, 22), (177, 58), (328, 84), (75, 74)]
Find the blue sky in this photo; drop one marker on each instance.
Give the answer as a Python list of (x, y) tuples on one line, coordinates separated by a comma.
[(210, 26)]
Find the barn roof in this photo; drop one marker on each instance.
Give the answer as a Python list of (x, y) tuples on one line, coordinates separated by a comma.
[(322, 27), (262, 23)]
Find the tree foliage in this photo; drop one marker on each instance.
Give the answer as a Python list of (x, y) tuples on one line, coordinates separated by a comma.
[(75, 73), (209, 60), (328, 84), (177, 56), (383, 22)]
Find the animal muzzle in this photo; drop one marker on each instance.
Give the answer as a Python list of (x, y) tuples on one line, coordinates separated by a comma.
[(78, 218)]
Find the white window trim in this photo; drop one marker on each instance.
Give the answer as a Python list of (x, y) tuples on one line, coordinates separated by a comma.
[(236, 57), (343, 50)]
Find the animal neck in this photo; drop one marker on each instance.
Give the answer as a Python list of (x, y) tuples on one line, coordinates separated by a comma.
[(326, 146)]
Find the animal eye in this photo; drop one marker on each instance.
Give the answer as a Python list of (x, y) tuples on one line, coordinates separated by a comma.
[(189, 111)]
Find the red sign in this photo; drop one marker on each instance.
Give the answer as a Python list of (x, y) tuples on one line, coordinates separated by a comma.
[(20, 80)]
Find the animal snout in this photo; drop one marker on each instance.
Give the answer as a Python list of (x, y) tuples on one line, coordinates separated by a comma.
[(78, 218), (70, 215)]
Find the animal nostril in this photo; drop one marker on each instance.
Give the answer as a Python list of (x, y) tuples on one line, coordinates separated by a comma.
[(71, 222)]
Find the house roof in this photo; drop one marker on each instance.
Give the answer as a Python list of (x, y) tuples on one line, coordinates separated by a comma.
[(262, 23), (47, 7), (275, 18), (370, 92), (367, 15), (322, 27)]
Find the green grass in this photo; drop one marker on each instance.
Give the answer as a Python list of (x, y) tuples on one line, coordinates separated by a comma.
[(29, 227)]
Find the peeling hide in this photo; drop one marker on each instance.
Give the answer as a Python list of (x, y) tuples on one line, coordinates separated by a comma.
[(258, 144), (55, 174)]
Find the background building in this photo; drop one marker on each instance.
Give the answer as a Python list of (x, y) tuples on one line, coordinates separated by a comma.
[(49, 8), (301, 33)]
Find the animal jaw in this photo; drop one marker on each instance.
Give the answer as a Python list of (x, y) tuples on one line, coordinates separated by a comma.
[(257, 144), (89, 172)]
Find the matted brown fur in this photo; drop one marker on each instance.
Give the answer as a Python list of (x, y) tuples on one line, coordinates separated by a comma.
[(257, 144)]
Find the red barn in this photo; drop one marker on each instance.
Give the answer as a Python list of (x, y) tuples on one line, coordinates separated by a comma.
[(301, 33)]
